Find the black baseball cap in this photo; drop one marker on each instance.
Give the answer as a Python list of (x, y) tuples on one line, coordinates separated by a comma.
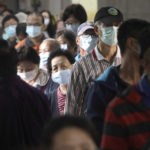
[(108, 15)]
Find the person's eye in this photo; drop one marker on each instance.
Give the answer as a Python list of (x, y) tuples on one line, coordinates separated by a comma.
[(64, 67), (54, 69)]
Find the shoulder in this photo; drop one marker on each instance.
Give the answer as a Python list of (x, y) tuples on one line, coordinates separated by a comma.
[(22, 43), (125, 102), (83, 63), (42, 79), (107, 75)]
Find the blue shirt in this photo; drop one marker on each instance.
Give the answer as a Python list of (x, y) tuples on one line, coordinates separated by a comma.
[(144, 89), (77, 57)]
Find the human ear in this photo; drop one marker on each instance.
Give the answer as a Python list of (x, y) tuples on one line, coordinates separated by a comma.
[(97, 30), (77, 40), (133, 45)]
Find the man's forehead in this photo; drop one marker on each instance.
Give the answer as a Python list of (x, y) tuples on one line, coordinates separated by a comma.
[(34, 18)]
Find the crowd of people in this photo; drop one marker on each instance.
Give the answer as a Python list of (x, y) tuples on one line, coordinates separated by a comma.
[(72, 83)]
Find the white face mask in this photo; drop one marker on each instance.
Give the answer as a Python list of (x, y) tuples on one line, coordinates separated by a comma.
[(88, 42), (11, 30), (109, 35), (72, 27), (64, 47), (43, 59), (46, 21), (28, 76), (33, 31), (61, 77)]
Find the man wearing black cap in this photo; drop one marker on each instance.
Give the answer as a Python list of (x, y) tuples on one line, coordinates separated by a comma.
[(105, 54)]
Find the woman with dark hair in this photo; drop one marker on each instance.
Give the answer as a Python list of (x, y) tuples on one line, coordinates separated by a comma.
[(28, 68), (59, 66), (70, 133), (49, 21), (73, 16)]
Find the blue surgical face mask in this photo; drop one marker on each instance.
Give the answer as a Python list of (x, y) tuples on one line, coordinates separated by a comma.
[(43, 59), (28, 76), (72, 27), (46, 21), (109, 35), (5, 36), (64, 47), (88, 42), (62, 77), (11, 31), (33, 31)]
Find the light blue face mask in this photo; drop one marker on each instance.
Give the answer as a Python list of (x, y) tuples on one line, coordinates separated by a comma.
[(33, 31), (109, 35), (88, 42), (5, 36), (61, 77), (72, 27), (43, 59), (64, 47), (11, 31)]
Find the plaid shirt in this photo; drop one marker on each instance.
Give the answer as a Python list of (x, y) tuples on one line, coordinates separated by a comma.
[(87, 68)]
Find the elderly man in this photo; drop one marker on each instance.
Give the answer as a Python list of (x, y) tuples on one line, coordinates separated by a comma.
[(105, 54), (46, 47), (86, 38), (116, 78)]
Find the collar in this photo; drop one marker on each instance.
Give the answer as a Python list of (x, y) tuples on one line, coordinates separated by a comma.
[(144, 86), (98, 56), (29, 42)]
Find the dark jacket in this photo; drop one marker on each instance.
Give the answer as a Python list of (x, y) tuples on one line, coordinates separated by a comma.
[(50, 87), (53, 103), (23, 113), (103, 90)]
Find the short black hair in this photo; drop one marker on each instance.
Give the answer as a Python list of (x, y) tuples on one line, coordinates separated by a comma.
[(57, 124), (36, 14), (7, 18), (75, 10), (144, 42), (28, 54), (8, 59), (130, 28), (8, 10), (69, 36), (21, 29), (57, 53)]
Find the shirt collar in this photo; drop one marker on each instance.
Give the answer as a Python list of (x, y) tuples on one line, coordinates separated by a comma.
[(29, 42), (100, 57), (145, 86)]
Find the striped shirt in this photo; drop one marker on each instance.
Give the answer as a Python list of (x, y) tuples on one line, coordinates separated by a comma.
[(61, 101), (87, 68), (127, 121)]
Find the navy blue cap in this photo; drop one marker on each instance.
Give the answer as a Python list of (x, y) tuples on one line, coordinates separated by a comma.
[(108, 15)]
